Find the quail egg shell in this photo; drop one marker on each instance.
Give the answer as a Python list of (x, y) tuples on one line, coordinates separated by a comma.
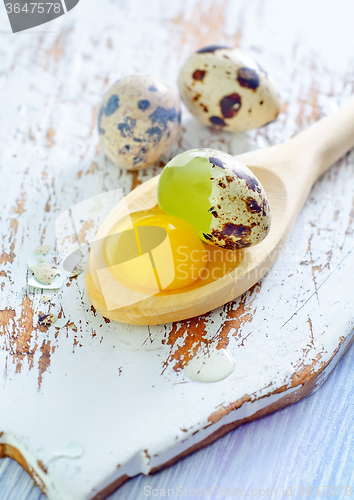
[(218, 195), (138, 121), (225, 89)]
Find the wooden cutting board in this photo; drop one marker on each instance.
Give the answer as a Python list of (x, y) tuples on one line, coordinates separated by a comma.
[(109, 401), (95, 402)]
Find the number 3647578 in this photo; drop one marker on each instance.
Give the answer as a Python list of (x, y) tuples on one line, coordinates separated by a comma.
[(31, 8)]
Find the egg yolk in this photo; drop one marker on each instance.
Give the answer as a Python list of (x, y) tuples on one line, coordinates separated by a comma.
[(154, 252)]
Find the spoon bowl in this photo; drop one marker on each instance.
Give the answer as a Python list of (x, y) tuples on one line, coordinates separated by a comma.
[(287, 173)]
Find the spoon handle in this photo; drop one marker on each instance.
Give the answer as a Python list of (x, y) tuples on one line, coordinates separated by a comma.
[(324, 142), (306, 156)]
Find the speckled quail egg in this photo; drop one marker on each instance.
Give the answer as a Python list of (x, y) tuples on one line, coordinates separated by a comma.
[(218, 195), (138, 121), (227, 90)]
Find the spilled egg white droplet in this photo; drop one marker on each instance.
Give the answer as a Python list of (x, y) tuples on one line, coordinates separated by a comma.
[(210, 365)]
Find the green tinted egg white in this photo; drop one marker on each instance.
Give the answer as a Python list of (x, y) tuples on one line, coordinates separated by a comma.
[(218, 195)]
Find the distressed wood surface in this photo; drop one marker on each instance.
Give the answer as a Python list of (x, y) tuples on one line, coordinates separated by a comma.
[(313, 452), (51, 84)]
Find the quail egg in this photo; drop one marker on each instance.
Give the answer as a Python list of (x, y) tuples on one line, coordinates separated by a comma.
[(138, 121), (218, 195), (225, 89)]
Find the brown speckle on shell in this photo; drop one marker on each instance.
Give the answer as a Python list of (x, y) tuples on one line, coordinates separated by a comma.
[(253, 207), (125, 150), (216, 162), (233, 236), (248, 78), (213, 48), (217, 121), (237, 230), (265, 207), (199, 75), (230, 105), (251, 182)]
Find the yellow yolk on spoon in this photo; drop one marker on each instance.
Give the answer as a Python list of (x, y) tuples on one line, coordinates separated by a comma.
[(160, 254), (155, 252)]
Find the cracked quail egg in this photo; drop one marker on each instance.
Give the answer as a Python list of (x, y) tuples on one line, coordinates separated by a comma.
[(218, 195), (225, 89), (138, 121)]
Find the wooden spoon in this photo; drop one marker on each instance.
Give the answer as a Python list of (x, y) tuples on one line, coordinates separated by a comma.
[(287, 173)]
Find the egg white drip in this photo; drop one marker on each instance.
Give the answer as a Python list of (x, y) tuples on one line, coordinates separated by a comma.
[(210, 365)]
